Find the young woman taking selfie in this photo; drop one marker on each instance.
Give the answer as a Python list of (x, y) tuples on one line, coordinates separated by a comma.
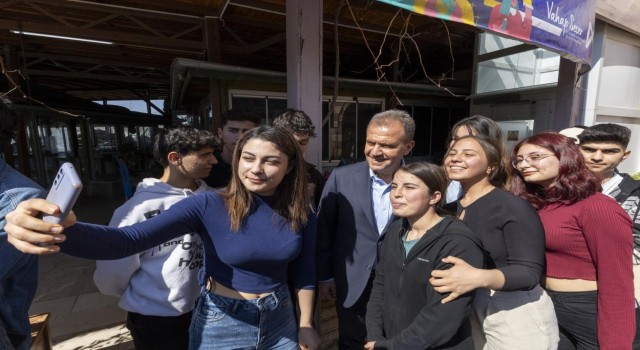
[(255, 235)]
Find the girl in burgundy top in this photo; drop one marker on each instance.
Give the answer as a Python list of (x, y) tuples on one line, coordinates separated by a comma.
[(588, 244)]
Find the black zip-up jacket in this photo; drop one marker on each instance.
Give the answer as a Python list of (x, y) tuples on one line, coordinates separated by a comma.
[(404, 311)]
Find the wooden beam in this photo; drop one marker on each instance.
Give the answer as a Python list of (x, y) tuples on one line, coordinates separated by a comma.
[(327, 19), (172, 6), (91, 60), (178, 15), (121, 38), (100, 20), (97, 77)]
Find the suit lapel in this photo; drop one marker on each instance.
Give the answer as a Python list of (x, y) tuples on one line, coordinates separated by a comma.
[(363, 182)]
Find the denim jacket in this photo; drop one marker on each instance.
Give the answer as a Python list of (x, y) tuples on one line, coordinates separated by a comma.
[(18, 271)]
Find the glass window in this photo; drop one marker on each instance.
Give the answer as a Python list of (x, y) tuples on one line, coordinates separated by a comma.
[(56, 148), (344, 134), (137, 148), (140, 106), (441, 124), (422, 117), (433, 125), (268, 107), (104, 138), (257, 104), (275, 107), (104, 151), (366, 110), (490, 43), (339, 133), (524, 69)]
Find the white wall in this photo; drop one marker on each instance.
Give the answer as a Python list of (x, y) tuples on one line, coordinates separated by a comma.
[(613, 87)]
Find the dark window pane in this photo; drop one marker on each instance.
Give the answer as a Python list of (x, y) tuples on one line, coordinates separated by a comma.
[(255, 104), (325, 132), (345, 133), (423, 137), (366, 111), (440, 132), (276, 106)]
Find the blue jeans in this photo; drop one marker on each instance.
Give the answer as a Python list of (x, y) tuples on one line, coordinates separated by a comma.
[(221, 323)]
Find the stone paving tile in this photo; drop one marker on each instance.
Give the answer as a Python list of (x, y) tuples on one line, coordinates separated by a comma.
[(110, 338), (55, 307), (95, 300), (76, 323)]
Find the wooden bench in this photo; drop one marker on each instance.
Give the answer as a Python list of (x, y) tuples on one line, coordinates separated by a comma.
[(40, 335)]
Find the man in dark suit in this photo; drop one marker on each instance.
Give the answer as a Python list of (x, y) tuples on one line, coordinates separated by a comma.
[(354, 210)]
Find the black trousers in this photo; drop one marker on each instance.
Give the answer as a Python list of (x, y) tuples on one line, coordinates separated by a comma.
[(352, 329), (158, 332), (577, 314)]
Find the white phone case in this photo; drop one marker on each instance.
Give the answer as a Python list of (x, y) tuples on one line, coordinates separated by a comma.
[(64, 192)]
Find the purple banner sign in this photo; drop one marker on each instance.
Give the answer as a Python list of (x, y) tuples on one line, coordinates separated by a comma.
[(563, 26)]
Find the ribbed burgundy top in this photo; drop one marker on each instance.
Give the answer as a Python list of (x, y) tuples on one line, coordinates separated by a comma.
[(592, 240)]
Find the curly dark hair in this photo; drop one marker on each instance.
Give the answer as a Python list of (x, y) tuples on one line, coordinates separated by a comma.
[(296, 121), (574, 183), (8, 123), (182, 139)]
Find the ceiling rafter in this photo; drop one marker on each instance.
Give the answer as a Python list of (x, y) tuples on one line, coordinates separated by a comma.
[(187, 31), (9, 3), (51, 15), (95, 34), (152, 33), (100, 21), (253, 48), (88, 60), (98, 77), (171, 7), (144, 26), (94, 68), (122, 10), (63, 66)]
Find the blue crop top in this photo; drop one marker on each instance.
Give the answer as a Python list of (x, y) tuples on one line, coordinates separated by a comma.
[(255, 259)]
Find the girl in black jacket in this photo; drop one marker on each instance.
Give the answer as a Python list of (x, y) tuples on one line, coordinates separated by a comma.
[(404, 311)]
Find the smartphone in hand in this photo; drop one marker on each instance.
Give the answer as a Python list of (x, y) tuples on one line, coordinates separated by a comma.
[(64, 192)]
